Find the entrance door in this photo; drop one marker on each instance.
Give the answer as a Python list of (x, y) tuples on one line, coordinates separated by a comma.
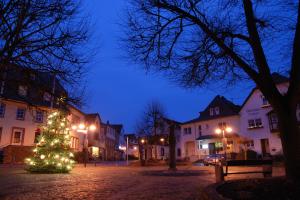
[(190, 149), (211, 148), (265, 149)]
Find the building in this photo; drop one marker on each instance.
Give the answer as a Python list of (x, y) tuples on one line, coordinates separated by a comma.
[(259, 123), (133, 145), (157, 144), (26, 99), (112, 133), (96, 138), (198, 136)]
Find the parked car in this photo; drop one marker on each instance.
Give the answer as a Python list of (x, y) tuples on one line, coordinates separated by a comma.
[(213, 159)]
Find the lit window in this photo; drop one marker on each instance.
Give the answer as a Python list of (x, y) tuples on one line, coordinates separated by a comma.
[(20, 114), (2, 109), (22, 91), (39, 116)]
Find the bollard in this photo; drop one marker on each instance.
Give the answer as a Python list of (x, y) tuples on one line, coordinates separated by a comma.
[(219, 173)]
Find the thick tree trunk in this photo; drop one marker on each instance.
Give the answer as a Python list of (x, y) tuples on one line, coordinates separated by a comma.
[(290, 138), (172, 148)]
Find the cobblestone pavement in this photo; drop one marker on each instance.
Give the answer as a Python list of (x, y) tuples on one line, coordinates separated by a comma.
[(104, 182)]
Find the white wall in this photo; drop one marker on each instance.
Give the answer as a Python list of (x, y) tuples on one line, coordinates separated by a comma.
[(254, 109), (208, 127), (28, 124)]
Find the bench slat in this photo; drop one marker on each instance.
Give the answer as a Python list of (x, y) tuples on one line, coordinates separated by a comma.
[(248, 162)]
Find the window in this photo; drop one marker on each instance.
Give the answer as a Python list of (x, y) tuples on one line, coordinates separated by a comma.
[(187, 130), (17, 136), (20, 114), (258, 122), (22, 91), (74, 142), (199, 130), (36, 136), (179, 152), (222, 125), (39, 116), (217, 111), (162, 151), (211, 111), (2, 110), (255, 123), (47, 97), (265, 102), (207, 126)]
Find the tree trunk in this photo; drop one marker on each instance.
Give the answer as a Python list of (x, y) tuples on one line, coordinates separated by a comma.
[(172, 148), (290, 138)]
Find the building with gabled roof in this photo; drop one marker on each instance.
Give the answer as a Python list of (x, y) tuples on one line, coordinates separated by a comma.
[(198, 137)]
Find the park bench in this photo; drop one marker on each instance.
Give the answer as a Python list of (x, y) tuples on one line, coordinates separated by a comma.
[(265, 164)]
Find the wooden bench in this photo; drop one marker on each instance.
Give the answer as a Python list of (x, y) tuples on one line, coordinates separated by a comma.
[(266, 168)]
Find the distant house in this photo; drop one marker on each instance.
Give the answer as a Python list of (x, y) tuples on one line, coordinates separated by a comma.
[(112, 134), (133, 144), (96, 138), (198, 136), (258, 121)]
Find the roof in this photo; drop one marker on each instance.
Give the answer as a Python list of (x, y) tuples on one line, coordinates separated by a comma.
[(92, 117), (277, 78), (226, 108)]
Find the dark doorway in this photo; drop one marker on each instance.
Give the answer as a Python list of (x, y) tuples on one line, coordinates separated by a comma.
[(265, 149), (211, 148)]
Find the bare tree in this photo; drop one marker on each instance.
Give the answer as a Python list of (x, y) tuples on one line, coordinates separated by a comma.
[(152, 123), (46, 36), (196, 42)]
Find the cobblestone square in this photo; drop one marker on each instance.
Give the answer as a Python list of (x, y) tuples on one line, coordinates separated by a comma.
[(102, 182), (108, 181)]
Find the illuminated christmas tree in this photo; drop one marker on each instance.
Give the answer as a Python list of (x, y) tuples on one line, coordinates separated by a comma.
[(52, 153)]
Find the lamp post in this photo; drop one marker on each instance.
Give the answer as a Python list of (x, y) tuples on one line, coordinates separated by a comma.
[(82, 128), (224, 130)]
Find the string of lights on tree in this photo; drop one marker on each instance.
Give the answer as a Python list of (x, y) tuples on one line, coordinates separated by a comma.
[(52, 153)]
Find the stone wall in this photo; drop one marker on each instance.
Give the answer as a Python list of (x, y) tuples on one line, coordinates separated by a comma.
[(16, 154)]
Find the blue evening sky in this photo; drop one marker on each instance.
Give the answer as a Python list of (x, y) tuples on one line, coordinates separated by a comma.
[(119, 90)]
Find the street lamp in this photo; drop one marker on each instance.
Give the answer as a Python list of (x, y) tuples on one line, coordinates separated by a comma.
[(224, 130), (82, 128)]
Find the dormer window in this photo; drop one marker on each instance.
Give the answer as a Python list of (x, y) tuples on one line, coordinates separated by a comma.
[(265, 102), (214, 111), (211, 111), (217, 111), (22, 90)]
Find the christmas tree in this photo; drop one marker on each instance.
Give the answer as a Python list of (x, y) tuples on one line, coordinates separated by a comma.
[(52, 153)]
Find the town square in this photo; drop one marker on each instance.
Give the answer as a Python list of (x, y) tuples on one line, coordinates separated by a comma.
[(150, 99)]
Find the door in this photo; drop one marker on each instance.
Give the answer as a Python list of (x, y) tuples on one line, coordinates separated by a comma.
[(265, 149), (190, 149), (211, 148)]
